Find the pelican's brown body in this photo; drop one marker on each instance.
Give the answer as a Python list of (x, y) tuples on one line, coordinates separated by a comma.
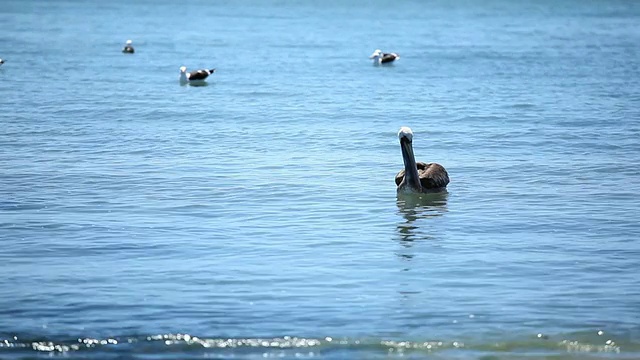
[(433, 177), (418, 177)]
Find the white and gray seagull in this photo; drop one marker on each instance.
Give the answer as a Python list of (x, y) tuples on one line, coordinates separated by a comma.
[(128, 48), (196, 76), (380, 57)]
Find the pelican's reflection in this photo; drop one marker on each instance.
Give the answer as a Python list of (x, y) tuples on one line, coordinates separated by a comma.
[(418, 206), (418, 213)]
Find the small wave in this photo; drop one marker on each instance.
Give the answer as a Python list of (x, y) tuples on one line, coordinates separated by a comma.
[(523, 106), (179, 345)]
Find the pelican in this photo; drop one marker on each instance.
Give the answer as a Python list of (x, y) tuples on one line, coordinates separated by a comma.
[(383, 58), (128, 48), (418, 177), (1, 61), (197, 76)]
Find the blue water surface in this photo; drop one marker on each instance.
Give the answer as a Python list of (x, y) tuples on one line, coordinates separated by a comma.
[(257, 216)]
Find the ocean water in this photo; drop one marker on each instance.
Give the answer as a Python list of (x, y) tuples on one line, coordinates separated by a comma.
[(257, 216)]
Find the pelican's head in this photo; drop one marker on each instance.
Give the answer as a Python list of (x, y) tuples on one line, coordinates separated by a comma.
[(378, 52), (183, 69), (405, 133), (128, 42)]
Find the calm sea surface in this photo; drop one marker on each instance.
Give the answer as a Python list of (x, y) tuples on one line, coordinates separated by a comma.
[(257, 216)]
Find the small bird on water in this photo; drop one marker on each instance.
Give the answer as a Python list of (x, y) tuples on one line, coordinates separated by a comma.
[(418, 177), (128, 48), (380, 57), (194, 77)]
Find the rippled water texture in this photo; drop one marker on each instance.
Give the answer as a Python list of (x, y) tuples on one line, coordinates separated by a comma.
[(257, 216)]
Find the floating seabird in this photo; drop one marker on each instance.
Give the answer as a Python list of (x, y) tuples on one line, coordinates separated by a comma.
[(128, 48), (418, 177), (383, 58), (197, 76), (1, 61)]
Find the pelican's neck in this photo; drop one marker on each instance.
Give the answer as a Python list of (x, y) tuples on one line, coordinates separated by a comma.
[(411, 177), (183, 76)]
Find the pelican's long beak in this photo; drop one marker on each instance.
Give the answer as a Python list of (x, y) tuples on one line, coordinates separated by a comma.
[(407, 152), (373, 55), (410, 168)]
